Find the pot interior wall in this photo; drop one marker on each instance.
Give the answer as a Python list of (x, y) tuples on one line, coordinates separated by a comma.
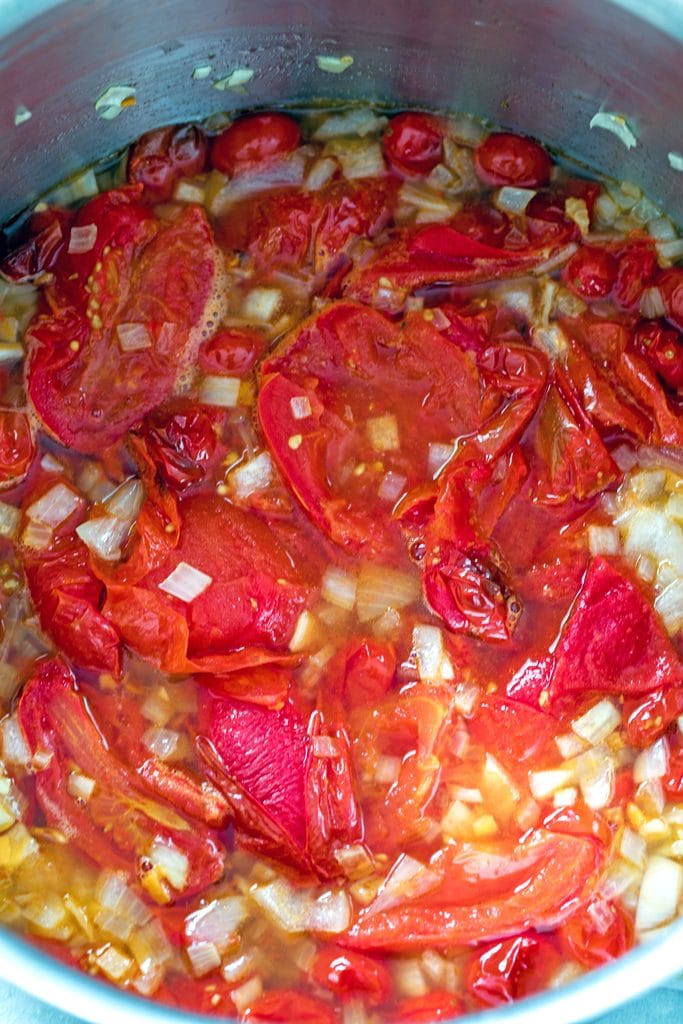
[(537, 66)]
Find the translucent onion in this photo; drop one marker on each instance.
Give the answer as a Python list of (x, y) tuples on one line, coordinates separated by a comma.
[(513, 200), (55, 506), (391, 487), (430, 653), (380, 588), (633, 848), (246, 994), (186, 583), (189, 192), (222, 392), (407, 879), (299, 910), (339, 588), (383, 433), (387, 770), (278, 174), (544, 783), (162, 743), (10, 520), (598, 723), (79, 786), (37, 536), (306, 632), (254, 475), (353, 123), (556, 261), (660, 893), (603, 540), (653, 762), (114, 964), (50, 464), (360, 160), (238, 968), (262, 304), (217, 922), (438, 456), (172, 863), (569, 745), (15, 748), (203, 957), (325, 747), (300, 406), (321, 172), (669, 606), (82, 239), (596, 773), (104, 536), (652, 303), (133, 337)]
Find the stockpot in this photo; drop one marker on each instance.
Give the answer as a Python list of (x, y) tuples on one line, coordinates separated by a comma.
[(544, 67)]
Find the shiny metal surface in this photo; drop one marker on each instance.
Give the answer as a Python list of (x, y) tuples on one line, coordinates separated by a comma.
[(540, 66)]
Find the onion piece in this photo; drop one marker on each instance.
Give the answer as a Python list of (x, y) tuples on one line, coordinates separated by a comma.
[(616, 124), (104, 536), (513, 200), (222, 392), (633, 848), (126, 500), (246, 994), (669, 606), (133, 337), (407, 879), (603, 540), (430, 653), (353, 123), (339, 588), (254, 475), (598, 723), (321, 172), (203, 957), (300, 406), (380, 588), (15, 748), (189, 192), (438, 456), (55, 506), (359, 158), (306, 632), (10, 520), (325, 747), (391, 487), (653, 762), (300, 910), (652, 303), (334, 65), (544, 783), (171, 862), (82, 239), (262, 304), (186, 583), (660, 893), (383, 433), (114, 964), (596, 775), (79, 786), (163, 743)]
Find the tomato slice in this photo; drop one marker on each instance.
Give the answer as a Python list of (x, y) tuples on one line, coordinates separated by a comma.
[(288, 803), (378, 395), (485, 895), (507, 159), (158, 279), (120, 824), (161, 157), (69, 598), (246, 614), (614, 641), (512, 969), (437, 254), (254, 140), (413, 143)]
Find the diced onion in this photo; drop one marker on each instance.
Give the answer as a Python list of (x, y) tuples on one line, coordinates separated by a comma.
[(15, 749), (410, 979), (79, 786), (660, 893), (339, 588), (262, 304), (652, 303), (238, 968), (661, 229), (556, 261), (467, 794), (220, 391), (82, 239), (246, 994), (163, 743), (10, 519), (598, 723), (669, 605), (513, 200), (172, 863), (383, 433), (133, 337), (669, 252), (189, 192), (565, 797), (237, 78), (218, 921), (391, 487), (380, 588), (204, 958), (300, 910), (653, 762), (603, 540), (126, 501), (325, 747), (113, 963), (387, 770), (300, 406), (254, 475), (305, 634), (633, 848), (113, 893), (465, 698), (430, 653), (360, 160), (544, 783), (113, 100), (55, 506), (104, 536), (674, 506), (569, 745), (438, 456), (407, 879), (650, 796), (186, 583), (334, 65), (596, 775), (428, 205), (321, 172), (50, 464), (352, 123), (577, 211)]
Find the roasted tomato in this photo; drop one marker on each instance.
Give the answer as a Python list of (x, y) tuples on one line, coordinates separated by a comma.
[(254, 140), (413, 143), (17, 446), (161, 157), (591, 272), (511, 969), (507, 159)]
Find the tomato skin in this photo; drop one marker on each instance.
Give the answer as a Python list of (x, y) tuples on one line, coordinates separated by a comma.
[(16, 446), (232, 351), (181, 441), (436, 1006), (673, 780), (514, 730), (637, 267), (413, 143), (511, 969), (284, 1006), (595, 940), (345, 973), (507, 159), (254, 140), (591, 272), (47, 235), (663, 349), (160, 157), (670, 284)]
